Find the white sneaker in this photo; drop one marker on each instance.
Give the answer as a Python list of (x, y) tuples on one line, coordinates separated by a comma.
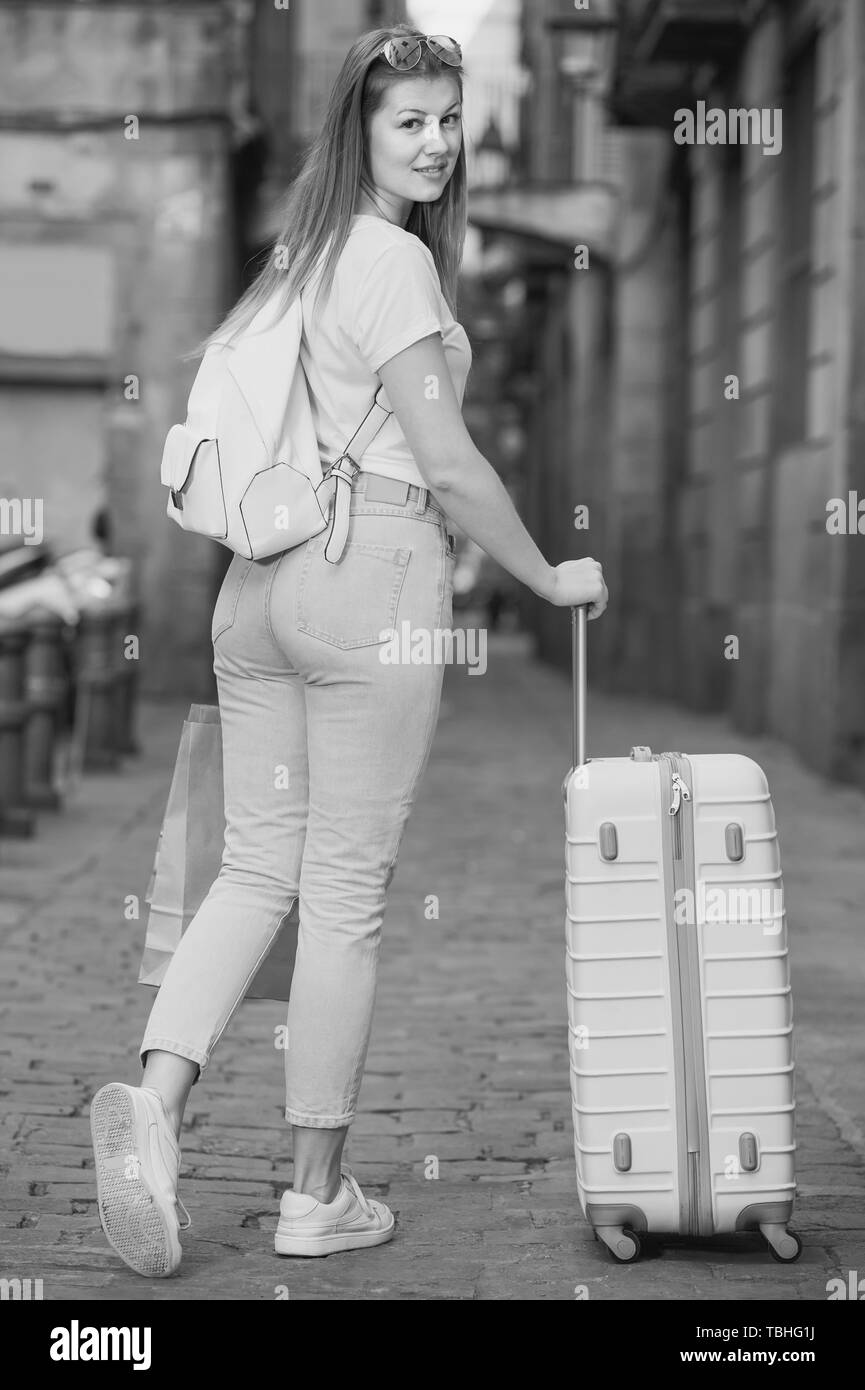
[(137, 1165), (350, 1221)]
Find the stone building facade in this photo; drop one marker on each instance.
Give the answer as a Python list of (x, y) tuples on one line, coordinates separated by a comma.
[(132, 138), (705, 394)]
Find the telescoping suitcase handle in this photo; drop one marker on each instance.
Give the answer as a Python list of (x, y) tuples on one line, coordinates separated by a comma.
[(578, 682)]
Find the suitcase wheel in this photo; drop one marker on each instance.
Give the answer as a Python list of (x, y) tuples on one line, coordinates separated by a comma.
[(622, 1243), (784, 1246)]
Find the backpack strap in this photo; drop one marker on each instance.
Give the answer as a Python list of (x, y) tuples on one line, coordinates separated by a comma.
[(344, 470), (369, 427)]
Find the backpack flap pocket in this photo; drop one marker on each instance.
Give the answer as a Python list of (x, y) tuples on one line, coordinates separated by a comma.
[(192, 472), (280, 509)]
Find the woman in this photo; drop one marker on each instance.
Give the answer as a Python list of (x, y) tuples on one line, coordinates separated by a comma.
[(324, 743)]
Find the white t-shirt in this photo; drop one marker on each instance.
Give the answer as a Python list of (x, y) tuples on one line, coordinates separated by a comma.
[(385, 295)]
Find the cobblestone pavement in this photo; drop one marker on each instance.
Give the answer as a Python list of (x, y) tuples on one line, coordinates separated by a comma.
[(468, 1064)]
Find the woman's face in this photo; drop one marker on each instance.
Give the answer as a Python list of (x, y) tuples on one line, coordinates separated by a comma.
[(418, 126)]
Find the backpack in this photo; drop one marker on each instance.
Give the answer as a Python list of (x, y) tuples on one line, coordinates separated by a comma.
[(244, 468)]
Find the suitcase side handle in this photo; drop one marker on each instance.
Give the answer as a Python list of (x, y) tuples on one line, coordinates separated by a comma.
[(578, 683)]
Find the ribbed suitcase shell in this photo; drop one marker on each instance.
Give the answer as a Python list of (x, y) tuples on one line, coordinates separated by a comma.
[(680, 1031)]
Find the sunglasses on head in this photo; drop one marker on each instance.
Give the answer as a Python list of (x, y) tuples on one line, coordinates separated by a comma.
[(405, 53)]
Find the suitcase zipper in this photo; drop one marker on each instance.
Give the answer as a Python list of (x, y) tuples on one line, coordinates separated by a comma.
[(680, 813), (670, 842), (678, 791)]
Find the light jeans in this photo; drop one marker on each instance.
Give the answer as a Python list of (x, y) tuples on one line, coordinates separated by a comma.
[(324, 745)]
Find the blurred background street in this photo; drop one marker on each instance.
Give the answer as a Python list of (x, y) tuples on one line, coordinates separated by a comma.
[(668, 342)]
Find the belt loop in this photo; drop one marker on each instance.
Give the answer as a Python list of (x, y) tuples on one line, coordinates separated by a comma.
[(422, 495)]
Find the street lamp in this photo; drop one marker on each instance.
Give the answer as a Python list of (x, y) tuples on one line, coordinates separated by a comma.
[(495, 153)]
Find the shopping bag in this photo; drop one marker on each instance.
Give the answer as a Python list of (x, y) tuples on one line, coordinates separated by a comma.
[(189, 855)]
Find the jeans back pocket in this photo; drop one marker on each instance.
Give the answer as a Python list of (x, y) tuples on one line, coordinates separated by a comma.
[(225, 609), (353, 603)]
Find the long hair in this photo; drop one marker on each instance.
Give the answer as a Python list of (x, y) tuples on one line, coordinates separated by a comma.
[(321, 200)]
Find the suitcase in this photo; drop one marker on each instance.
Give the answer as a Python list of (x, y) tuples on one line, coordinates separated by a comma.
[(679, 1005)]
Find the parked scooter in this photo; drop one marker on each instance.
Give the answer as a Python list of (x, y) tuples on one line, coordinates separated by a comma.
[(82, 582)]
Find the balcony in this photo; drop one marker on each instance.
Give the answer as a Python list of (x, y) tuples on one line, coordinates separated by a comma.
[(558, 216), (661, 44), (688, 31)]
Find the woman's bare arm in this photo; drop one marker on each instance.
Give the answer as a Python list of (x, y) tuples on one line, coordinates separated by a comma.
[(421, 393)]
